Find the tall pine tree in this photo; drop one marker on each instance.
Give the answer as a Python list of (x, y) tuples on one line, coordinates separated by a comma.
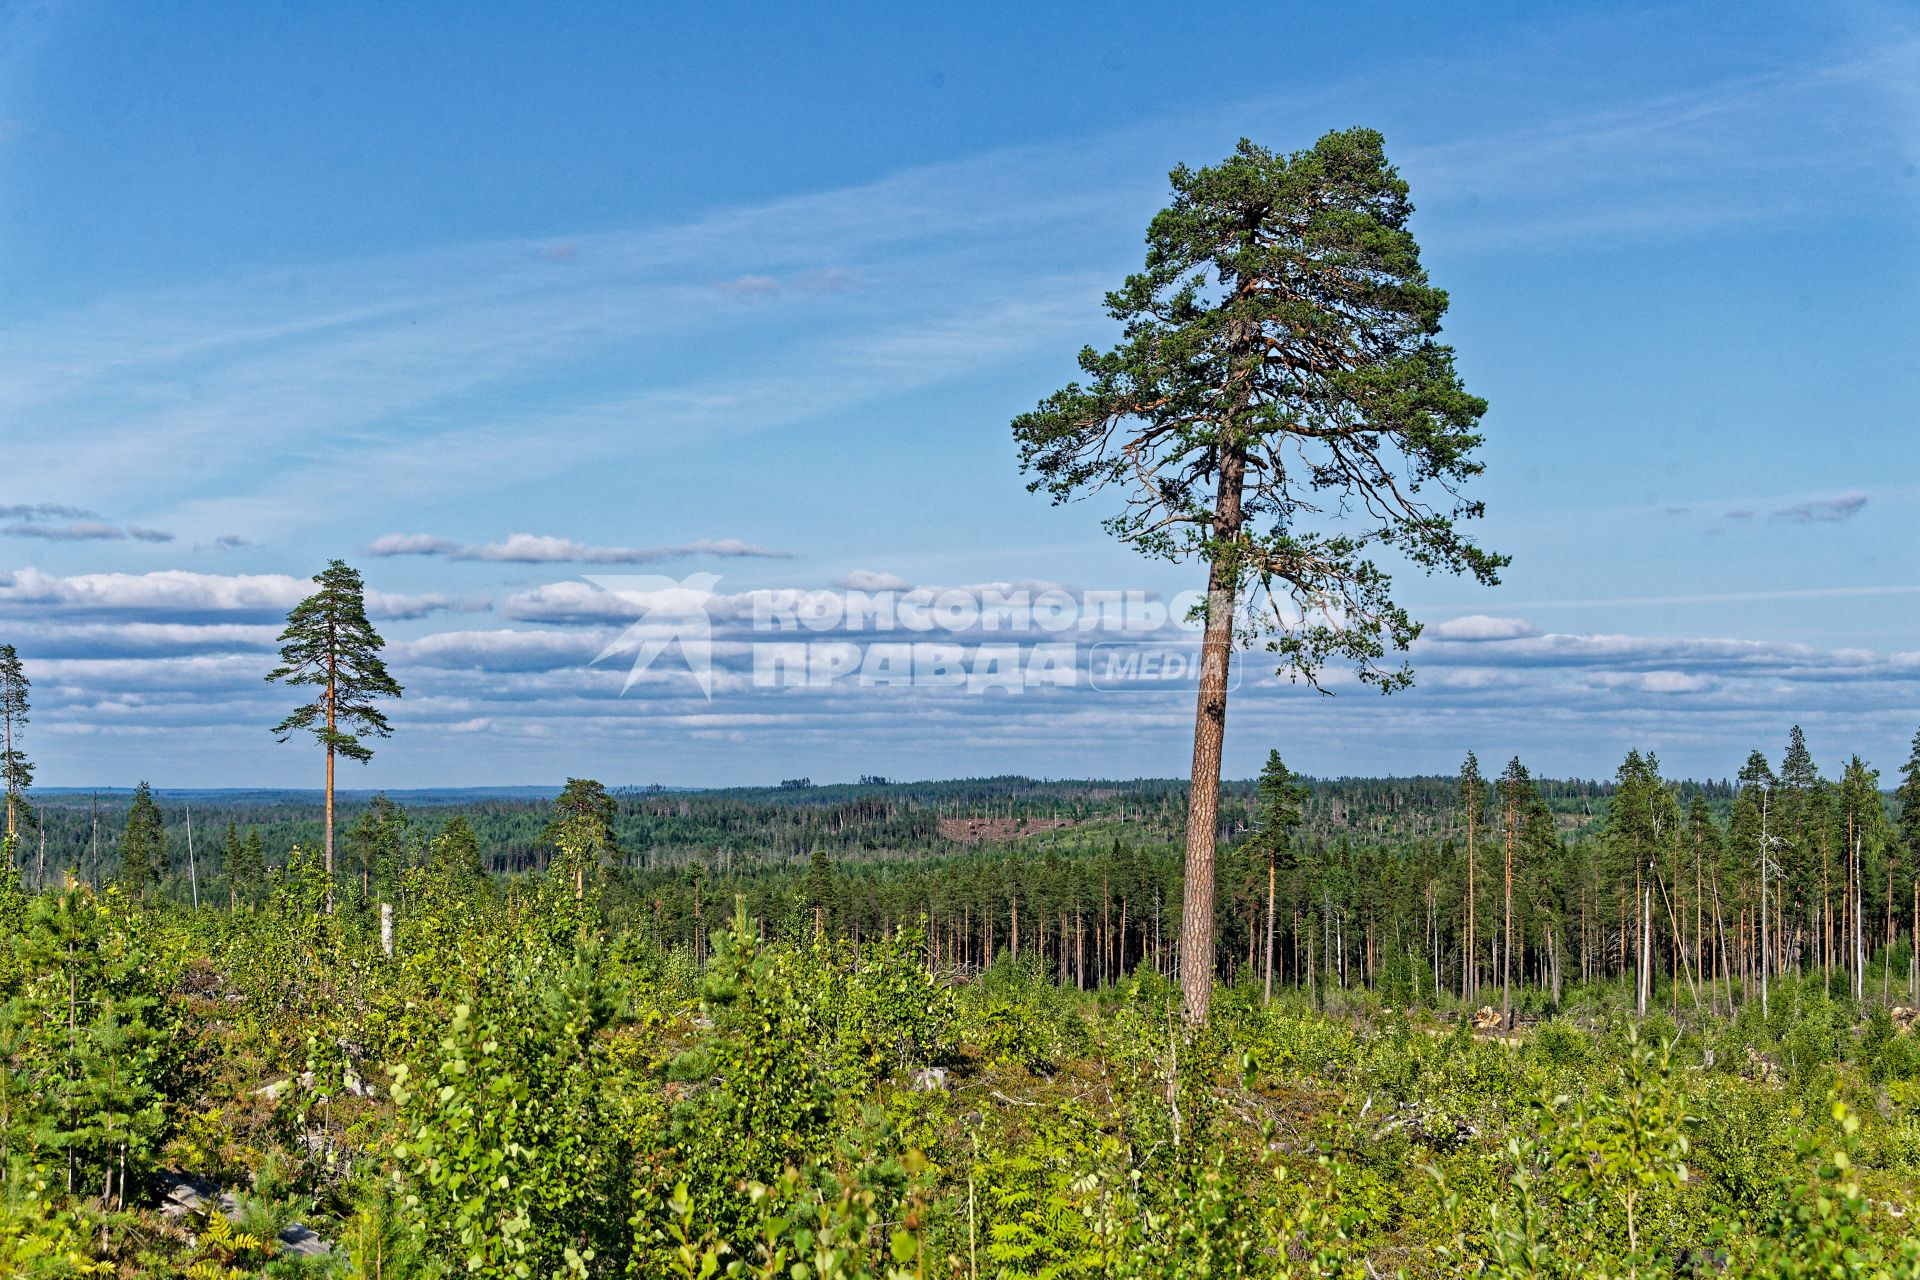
[(329, 646), (1280, 408), (16, 771), (581, 831)]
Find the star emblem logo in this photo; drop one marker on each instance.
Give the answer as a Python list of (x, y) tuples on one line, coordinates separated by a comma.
[(672, 612)]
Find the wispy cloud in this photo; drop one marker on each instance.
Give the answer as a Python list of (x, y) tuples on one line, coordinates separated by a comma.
[(414, 357), (32, 520), (528, 548), (1844, 506), (1818, 510), (45, 511), (1675, 164), (761, 288), (450, 370), (84, 531)]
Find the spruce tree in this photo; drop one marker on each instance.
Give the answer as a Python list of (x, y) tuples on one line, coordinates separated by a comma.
[(1704, 844), (16, 771), (1860, 819), (1908, 796), (1907, 841), (455, 853), (377, 842), (230, 858), (1545, 858), (1801, 819), (1517, 795), (1757, 786), (1473, 802), (329, 646), (246, 869), (97, 1037), (143, 845), (820, 890), (1280, 408), (1280, 797)]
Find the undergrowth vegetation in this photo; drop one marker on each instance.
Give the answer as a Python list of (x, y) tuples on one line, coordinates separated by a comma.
[(519, 1089)]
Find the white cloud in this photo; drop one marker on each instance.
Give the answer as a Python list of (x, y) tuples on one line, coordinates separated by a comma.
[(528, 548), (66, 637), (502, 650), (1480, 626), (1657, 682), (411, 544), (869, 580), (184, 594)]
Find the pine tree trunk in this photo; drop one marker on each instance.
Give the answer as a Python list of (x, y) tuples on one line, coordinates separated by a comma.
[(1267, 997), (1467, 957), (1506, 949), (1209, 738), (1013, 914), (330, 732), (9, 749)]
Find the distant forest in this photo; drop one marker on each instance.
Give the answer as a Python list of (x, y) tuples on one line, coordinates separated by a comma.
[(1385, 881), (762, 827)]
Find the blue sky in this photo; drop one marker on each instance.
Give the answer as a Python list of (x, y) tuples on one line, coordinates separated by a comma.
[(755, 292)]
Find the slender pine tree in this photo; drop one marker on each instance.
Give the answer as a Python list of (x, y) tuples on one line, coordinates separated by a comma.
[(15, 705), (329, 646)]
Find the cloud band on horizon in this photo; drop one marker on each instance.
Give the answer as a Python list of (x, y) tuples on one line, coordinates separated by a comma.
[(528, 548)]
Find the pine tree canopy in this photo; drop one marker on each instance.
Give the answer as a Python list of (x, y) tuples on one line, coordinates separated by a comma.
[(583, 818), (329, 645), (1280, 364)]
